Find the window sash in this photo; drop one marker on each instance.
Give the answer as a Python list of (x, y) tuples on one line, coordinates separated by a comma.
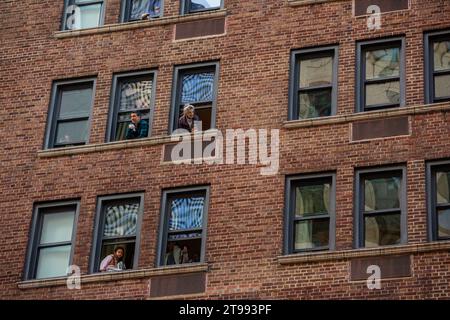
[(437, 74), (363, 82), (320, 248), (362, 214), (297, 57)]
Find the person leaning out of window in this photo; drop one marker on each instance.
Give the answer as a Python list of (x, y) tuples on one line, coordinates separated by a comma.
[(138, 128), (153, 10), (113, 262), (189, 120)]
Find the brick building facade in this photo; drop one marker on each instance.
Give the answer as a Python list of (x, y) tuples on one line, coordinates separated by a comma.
[(247, 233)]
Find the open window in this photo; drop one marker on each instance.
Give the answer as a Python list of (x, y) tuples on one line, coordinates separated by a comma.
[(118, 223), (183, 233)]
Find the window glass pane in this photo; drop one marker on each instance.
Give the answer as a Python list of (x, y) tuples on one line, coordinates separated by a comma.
[(315, 104), (90, 16), (383, 93), (444, 223), (382, 230), (441, 55), (128, 252), (443, 187), (186, 213), (121, 220), (138, 7), (75, 103), (204, 4), (53, 262), (182, 251), (312, 199), (57, 227), (382, 193), (135, 94), (382, 63), (311, 234), (316, 72), (197, 87), (442, 86), (72, 132)]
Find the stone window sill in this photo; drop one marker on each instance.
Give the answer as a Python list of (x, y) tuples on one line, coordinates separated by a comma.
[(363, 253), (370, 115), (115, 276), (139, 24), (296, 3), (125, 144)]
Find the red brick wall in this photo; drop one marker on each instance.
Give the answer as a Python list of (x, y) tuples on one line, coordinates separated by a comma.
[(245, 221)]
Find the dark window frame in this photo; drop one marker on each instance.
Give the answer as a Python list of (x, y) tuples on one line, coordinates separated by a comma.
[(296, 57), (125, 11), (179, 71), (359, 225), (68, 3), (430, 74), (98, 238), (115, 98), (431, 168), (55, 107), (185, 7), (289, 230), (361, 82), (39, 211), (168, 194)]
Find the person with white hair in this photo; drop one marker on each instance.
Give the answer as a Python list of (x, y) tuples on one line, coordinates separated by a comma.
[(188, 120)]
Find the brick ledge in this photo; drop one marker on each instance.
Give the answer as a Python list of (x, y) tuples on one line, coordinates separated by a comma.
[(115, 276), (370, 115), (139, 24), (296, 3), (364, 253)]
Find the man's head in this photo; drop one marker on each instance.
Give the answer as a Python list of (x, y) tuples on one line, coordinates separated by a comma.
[(188, 110), (135, 117)]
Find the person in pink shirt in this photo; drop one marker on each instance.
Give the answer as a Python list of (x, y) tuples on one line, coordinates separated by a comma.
[(113, 262)]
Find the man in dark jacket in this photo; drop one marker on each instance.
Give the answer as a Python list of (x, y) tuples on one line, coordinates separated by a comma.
[(188, 120), (137, 128)]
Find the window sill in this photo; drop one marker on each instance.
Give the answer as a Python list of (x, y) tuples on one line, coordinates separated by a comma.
[(369, 115), (125, 144), (364, 253), (296, 3), (115, 276), (139, 24)]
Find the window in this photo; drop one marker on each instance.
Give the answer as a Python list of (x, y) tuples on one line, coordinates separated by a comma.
[(380, 75), (70, 110), (183, 228), (437, 67), (196, 85), (52, 240), (438, 192), (133, 10), (310, 203), (314, 83), (133, 92), (118, 222), (380, 207), (193, 6), (82, 14)]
